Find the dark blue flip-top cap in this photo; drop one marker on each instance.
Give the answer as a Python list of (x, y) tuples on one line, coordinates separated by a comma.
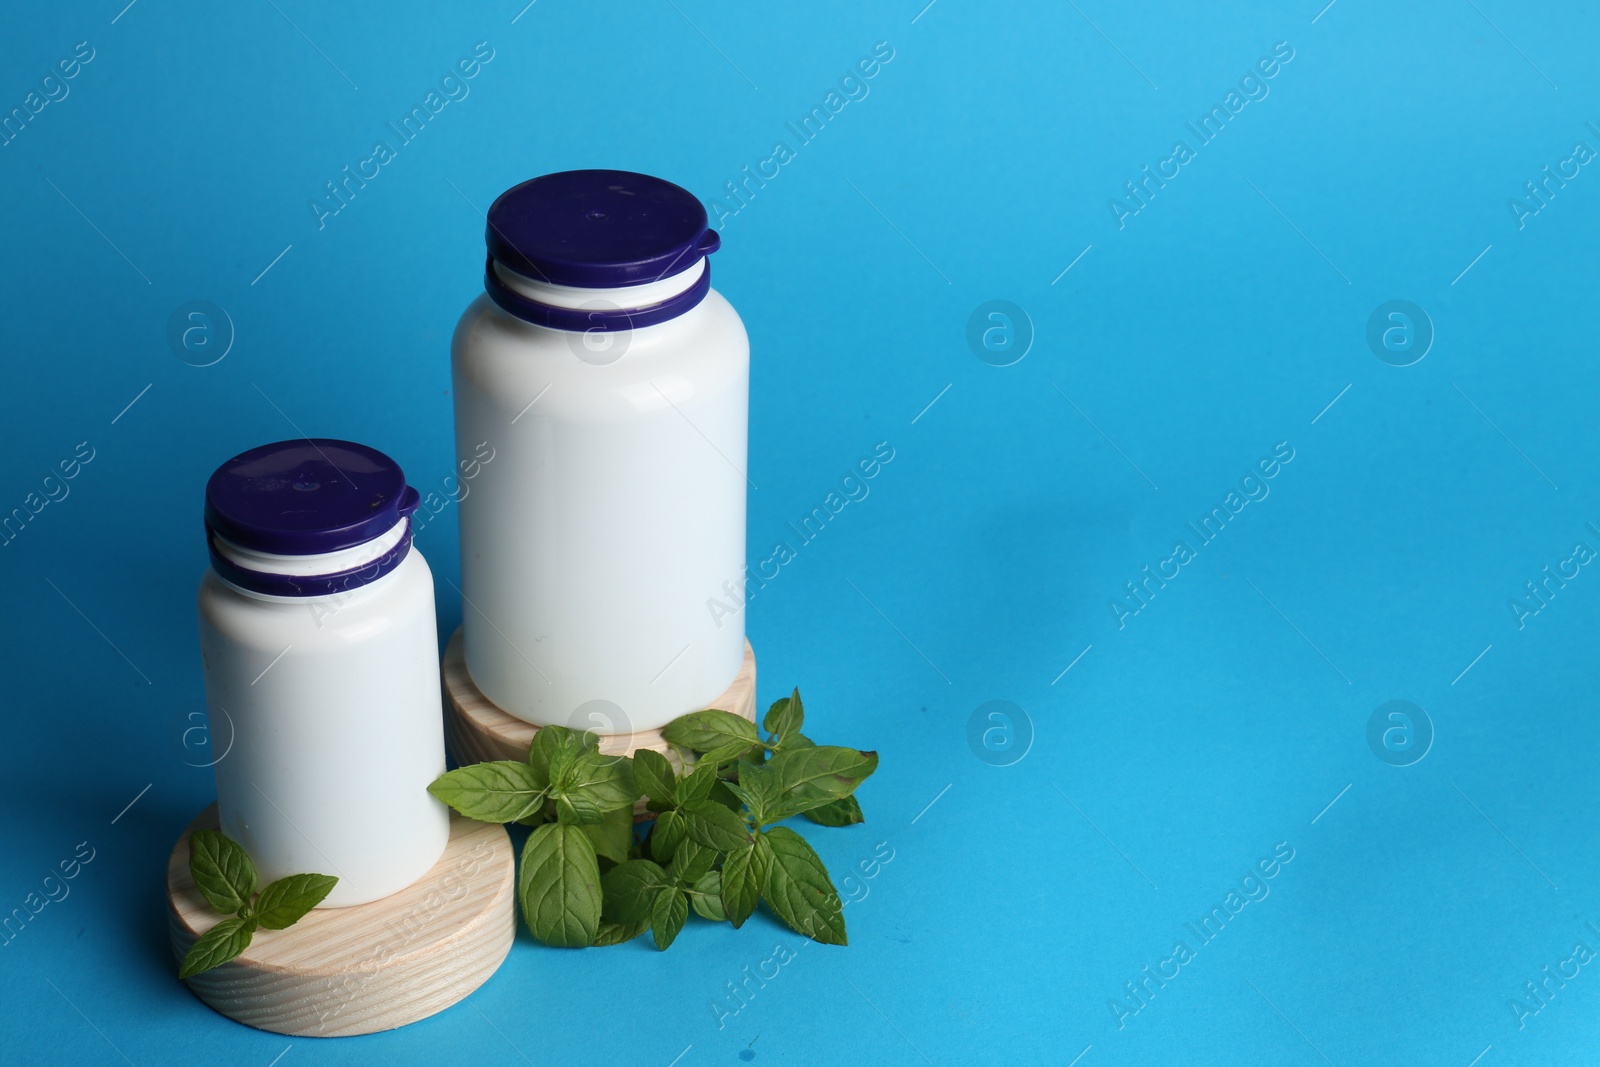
[(599, 229), (305, 497)]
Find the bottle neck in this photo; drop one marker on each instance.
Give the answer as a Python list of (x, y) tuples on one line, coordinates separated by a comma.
[(626, 298), (581, 310), (319, 574)]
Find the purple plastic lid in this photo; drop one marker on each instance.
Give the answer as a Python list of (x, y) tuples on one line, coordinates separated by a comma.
[(599, 229), (305, 497)]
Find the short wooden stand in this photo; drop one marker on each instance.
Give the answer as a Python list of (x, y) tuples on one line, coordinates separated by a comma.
[(377, 966), (478, 731)]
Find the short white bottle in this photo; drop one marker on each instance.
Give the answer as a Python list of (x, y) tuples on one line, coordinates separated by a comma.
[(321, 664), (602, 548)]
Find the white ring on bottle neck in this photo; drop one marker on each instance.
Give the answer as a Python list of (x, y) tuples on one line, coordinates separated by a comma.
[(344, 559), (628, 296)]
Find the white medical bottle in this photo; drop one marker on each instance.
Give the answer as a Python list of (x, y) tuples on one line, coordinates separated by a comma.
[(601, 547), (321, 665)]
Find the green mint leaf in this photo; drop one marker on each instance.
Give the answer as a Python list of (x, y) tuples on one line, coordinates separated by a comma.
[(559, 886), (669, 832), (217, 946), (748, 799), (500, 791), (843, 812), (691, 862), (595, 782), (706, 897), (612, 836), (616, 933), (744, 873), (286, 901), (581, 813), (667, 916), (653, 775), (223, 873), (725, 754), (798, 888), (810, 777), (784, 718), (630, 890), (707, 731), (759, 789), (721, 794), (697, 785), (553, 747), (716, 827)]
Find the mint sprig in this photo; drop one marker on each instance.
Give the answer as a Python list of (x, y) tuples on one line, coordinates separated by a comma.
[(226, 878), (715, 848)]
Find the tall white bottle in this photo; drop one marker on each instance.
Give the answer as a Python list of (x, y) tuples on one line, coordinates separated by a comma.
[(612, 384)]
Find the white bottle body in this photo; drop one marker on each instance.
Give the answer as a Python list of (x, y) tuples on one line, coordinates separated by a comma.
[(327, 729), (613, 513)]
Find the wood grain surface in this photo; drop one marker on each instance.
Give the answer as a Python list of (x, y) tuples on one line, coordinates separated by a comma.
[(358, 970)]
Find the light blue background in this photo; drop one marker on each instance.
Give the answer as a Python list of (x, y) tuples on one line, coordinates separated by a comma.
[(1223, 318)]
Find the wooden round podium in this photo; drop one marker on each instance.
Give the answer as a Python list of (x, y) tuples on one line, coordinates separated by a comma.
[(371, 967)]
